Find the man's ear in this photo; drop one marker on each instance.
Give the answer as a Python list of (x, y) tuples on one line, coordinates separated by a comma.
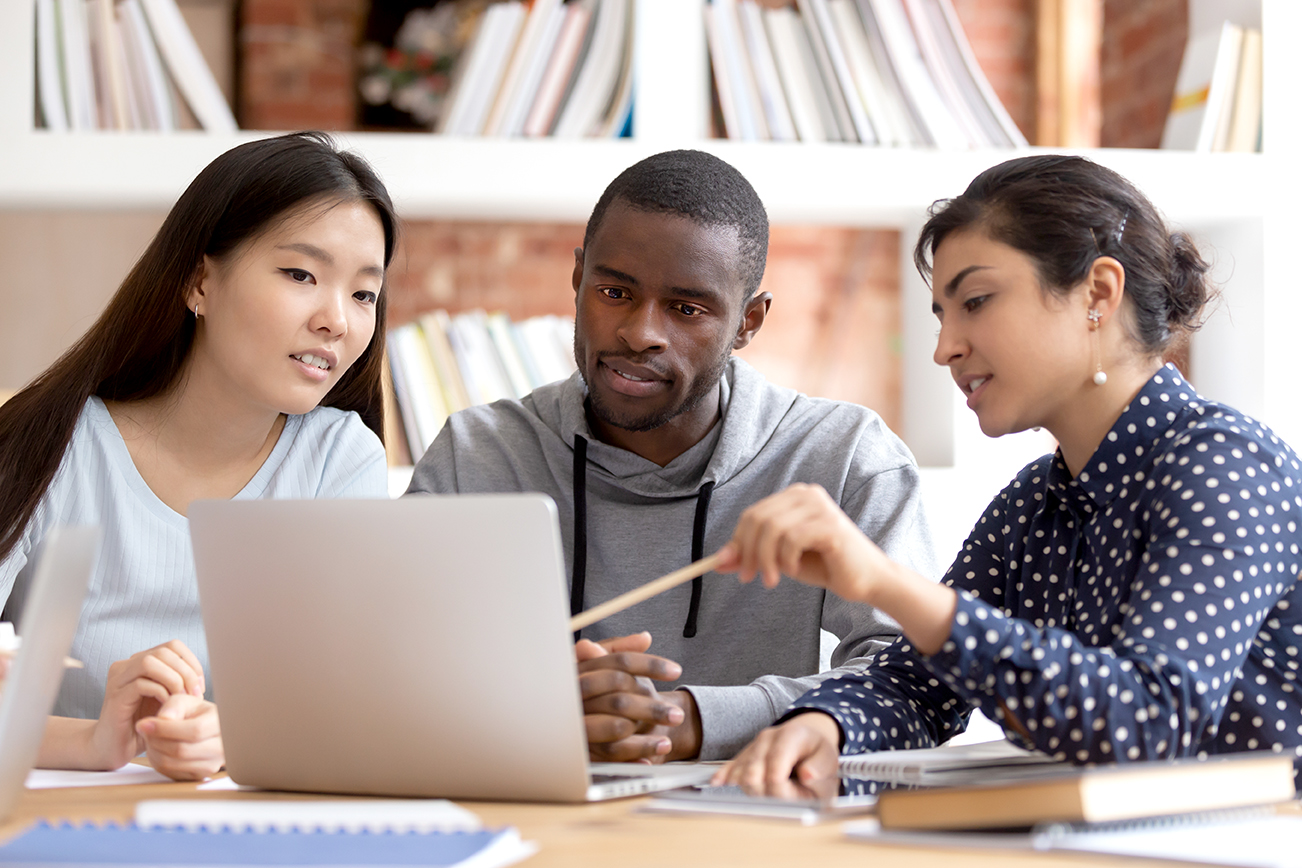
[(752, 318), (1105, 286), (577, 278)]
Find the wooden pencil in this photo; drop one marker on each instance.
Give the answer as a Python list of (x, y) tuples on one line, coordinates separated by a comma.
[(645, 592)]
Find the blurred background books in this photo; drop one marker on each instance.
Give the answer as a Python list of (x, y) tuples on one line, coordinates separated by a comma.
[(440, 364), (123, 65)]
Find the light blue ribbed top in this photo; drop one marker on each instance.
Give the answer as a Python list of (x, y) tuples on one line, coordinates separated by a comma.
[(143, 592)]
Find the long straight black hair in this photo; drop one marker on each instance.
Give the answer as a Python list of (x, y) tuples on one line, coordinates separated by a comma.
[(138, 346)]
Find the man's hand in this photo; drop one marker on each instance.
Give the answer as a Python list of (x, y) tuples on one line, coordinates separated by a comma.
[(805, 747), (183, 741), (626, 718)]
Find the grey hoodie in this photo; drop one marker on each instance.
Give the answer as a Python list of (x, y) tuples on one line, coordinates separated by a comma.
[(746, 652)]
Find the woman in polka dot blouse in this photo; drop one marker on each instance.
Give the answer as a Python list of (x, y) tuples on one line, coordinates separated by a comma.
[(1132, 596)]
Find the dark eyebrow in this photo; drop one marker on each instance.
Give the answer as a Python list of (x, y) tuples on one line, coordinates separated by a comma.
[(695, 294), (324, 256), (952, 286), (607, 271), (676, 291)]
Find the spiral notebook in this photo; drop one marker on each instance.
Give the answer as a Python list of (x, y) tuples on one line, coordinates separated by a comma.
[(275, 833), (1257, 838)]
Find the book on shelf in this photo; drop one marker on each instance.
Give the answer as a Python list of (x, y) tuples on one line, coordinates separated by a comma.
[(546, 68), (1245, 119), (811, 113), (597, 80), (772, 97), (480, 69), (122, 65), (841, 74), (520, 83), (865, 73), (844, 127), (1217, 102), (1124, 791), (49, 77), (884, 72), (443, 363)]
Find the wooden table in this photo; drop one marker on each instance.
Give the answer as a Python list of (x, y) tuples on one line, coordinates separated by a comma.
[(610, 834)]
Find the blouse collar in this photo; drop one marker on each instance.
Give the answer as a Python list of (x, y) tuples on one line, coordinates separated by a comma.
[(1149, 418)]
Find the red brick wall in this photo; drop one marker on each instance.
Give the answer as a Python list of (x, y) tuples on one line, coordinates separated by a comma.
[(1143, 41), (297, 63), (833, 330)]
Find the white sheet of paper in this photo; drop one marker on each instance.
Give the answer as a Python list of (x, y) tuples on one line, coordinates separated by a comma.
[(340, 815), (224, 785), (131, 773)]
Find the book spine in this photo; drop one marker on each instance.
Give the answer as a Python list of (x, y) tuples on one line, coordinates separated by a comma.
[(79, 79), (193, 77), (49, 73), (840, 111), (522, 58), (776, 111), (560, 66)]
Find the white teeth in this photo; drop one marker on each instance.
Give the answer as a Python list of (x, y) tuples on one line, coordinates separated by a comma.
[(976, 384), (309, 359), (631, 377)]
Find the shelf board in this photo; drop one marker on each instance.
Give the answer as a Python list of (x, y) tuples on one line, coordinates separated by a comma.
[(547, 180)]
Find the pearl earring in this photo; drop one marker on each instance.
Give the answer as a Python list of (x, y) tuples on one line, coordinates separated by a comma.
[(1099, 376)]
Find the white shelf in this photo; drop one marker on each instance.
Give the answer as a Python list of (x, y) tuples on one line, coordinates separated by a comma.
[(436, 177), (1244, 205)]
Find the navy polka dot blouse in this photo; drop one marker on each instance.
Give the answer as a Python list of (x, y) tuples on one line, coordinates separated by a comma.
[(1148, 608)]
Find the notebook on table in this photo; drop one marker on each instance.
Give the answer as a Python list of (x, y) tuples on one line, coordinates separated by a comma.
[(412, 647), (64, 565)]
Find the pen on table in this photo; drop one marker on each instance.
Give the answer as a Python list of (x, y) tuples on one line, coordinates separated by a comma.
[(645, 592)]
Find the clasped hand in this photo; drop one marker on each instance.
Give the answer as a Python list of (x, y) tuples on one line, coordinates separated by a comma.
[(153, 704), (626, 717)]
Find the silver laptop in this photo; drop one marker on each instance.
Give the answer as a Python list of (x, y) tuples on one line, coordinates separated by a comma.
[(412, 647), (64, 565)]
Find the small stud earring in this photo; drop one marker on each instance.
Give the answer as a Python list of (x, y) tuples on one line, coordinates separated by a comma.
[(1099, 376)]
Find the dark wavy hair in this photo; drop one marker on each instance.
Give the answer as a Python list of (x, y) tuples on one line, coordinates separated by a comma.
[(1065, 212), (137, 347)]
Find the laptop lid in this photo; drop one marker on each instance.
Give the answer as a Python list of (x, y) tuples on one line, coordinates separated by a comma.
[(64, 565), (412, 647)]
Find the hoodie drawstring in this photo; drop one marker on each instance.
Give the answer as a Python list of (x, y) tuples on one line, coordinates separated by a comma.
[(579, 572), (698, 549)]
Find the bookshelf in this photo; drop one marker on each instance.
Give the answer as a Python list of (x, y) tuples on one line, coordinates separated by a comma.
[(1241, 204)]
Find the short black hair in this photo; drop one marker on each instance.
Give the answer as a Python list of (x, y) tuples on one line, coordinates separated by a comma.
[(700, 186)]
